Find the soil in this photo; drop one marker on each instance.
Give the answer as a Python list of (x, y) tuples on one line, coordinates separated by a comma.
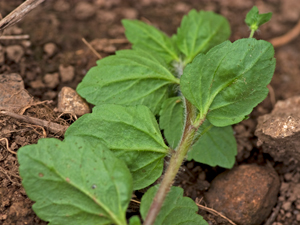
[(56, 29)]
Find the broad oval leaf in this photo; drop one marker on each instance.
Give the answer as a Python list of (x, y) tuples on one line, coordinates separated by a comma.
[(176, 209), (200, 31), (77, 181), (130, 77), (215, 147), (171, 120), (132, 133), (147, 37), (230, 80)]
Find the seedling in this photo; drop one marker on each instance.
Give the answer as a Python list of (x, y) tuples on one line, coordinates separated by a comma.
[(198, 84)]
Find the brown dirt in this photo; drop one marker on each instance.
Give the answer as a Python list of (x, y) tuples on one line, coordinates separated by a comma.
[(64, 23)]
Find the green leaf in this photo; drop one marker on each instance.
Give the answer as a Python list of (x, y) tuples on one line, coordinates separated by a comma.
[(176, 209), (135, 220), (200, 31), (230, 80), (75, 182), (130, 77), (147, 37), (254, 20), (132, 133), (216, 147), (172, 120)]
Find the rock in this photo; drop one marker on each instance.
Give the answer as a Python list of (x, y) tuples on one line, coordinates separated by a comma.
[(61, 5), (279, 132), (246, 194), (37, 84), (84, 10), (286, 206), (51, 80), (14, 53), (66, 73), (70, 101), (13, 96), (50, 49), (129, 13)]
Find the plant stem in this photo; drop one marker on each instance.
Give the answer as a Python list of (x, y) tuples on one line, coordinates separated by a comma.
[(252, 33), (174, 164)]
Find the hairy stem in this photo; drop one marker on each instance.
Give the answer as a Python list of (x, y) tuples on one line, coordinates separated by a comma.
[(252, 33), (175, 163)]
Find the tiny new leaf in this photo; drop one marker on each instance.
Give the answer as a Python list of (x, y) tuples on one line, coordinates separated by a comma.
[(77, 181), (130, 77), (200, 31), (176, 210), (132, 133), (214, 146), (148, 38), (227, 82), (254, 20)]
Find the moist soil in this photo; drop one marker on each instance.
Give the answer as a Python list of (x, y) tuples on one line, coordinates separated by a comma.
[(64, 23)]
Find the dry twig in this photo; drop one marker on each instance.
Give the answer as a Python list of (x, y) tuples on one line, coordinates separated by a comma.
[(14, 37), (53, 127), (212, 211), (91, 48), (7, 146), (286, 38), (18, 14)]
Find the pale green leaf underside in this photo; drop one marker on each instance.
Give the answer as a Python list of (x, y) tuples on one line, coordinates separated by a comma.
[(148, 38), (75, 182), (171, 120), (130, 77), (216, 147), (132, 133), (176, 209), (200, 31), (230, 80)]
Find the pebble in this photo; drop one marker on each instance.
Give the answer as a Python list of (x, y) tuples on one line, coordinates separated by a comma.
[(298, 217), (246, 194), (66, 73), (286, 206), (84, 10), (51, 80), (50, 49), (70, 102), (37, 84), (129, 13), (14, 53)]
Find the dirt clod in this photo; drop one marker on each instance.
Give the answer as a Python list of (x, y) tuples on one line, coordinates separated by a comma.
[(279, 132), (50, 49), (51, 80), (14, 53), (245, 194), (66, 73)]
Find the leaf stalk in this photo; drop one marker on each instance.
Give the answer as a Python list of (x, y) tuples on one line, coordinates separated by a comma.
[(175, 162)]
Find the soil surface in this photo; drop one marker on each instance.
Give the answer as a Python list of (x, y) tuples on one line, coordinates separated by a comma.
[(56, 29)]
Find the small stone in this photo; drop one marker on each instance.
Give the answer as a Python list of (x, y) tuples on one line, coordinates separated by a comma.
[(66, 73), (298, 217), (129, 13), (14, 53), (61, 5), (50, 49), (26, 43), (279, 132), (288, 176), (51, 80), (70, 102), (246, 194), (288, 215), (181, 7), (13, 95), (277, 223), (286, 206), (84, 10), (49, 95), (37, 84)]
